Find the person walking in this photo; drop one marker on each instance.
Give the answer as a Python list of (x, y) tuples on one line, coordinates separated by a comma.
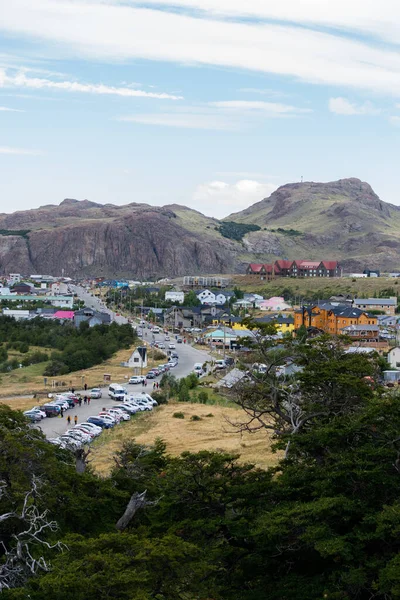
[(85, 386), (76, 419), (73, 390), (88, 400), (80, 401), (62, 412), (69, 420), (85, 400)]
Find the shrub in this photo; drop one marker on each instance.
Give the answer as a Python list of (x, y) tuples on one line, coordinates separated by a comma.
[(195, 418), (183, 395), (203, 397), (161, 397), (178, 415), (192, 381), (236, 231), (209, 415)]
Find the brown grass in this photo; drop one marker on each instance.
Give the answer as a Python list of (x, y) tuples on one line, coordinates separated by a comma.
[(211, 433), (29, 380)]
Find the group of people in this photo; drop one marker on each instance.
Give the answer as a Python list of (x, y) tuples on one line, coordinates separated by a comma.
[(85, 400)]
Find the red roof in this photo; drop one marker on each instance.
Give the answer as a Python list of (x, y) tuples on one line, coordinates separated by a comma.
[(256, 268), (308, 264), (64, 314), (284, 264), (330, 264)]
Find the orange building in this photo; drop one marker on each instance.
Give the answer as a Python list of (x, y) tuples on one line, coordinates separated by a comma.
[(331, 319)]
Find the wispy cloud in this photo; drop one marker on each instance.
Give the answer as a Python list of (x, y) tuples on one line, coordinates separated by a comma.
[(7, 109), (20, 80), (19, 151), (343, 106), (263, 92), (272, 109), (395, 120), (186, 120), (116, 31)]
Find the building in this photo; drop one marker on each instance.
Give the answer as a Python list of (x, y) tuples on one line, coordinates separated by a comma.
[(138, 359), (176, 297), (330, 318), (210, 297), (14, 278), (22, 287), (64, 315), (204, 282), (59, 288), (62, 301), (386, 305), (93, 317), (372, 273), (393, 358), (283, 324), (295, 268), (276, 303), (362, 332)]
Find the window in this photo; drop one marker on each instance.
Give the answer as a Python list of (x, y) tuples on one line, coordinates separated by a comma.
[(135, 359)]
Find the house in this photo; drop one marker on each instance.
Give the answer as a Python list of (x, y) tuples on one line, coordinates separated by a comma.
[(91, 316), (387, 305), (59, 288), (18, 315), (274, 303), (61, 301), (284, 324), (22, 287), (14, 278), (362, 332), (228, 320), (180, 317), (4, 291), (210, 297), (224, 336), (176, 297), (330, 318), (393, 358), (372, 273), (64, 315), (138, 359), (296, 268)]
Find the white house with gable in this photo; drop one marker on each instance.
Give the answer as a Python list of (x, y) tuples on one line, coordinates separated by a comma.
[(209, 297), (394, 358), (177, 297)]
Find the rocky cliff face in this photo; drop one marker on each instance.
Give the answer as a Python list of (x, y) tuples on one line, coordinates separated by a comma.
[(110, 241), (342, 220)]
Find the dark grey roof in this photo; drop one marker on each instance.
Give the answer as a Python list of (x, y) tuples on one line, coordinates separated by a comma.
[(373, 301)]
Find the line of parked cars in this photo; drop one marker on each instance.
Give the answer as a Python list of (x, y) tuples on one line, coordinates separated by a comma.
[(84, 433), (60, 402)]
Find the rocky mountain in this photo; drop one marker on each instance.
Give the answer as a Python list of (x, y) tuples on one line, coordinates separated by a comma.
[(342, 220)]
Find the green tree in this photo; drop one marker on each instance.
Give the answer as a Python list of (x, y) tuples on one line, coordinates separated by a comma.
[(191, 299)]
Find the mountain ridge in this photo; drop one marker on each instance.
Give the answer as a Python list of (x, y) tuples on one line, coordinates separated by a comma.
[(343, 220)]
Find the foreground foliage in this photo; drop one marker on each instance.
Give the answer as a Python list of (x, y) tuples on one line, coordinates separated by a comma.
[(323, 524)]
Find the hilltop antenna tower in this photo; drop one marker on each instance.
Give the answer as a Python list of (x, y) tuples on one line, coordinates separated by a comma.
[(302, 179)]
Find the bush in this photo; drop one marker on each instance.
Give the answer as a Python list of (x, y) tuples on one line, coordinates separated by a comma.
[(203, 397), (56, 367), (192, 381), (209, 415), (178, 415), (159, 354), (236, 231), (160, 397), (183, 395), (195, 418)]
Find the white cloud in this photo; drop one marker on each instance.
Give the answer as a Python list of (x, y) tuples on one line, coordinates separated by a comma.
[(20, 80), (7, 109), (19, 151), (343, 106), (111, 31), (219, 198), (272, 109), (184, 120), (394, 120)]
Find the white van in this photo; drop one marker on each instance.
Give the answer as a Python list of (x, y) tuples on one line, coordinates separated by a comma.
[(116, 391), (198, 368)]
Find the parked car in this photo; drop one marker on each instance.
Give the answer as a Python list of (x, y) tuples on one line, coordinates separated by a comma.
[(136, 379), (127, 407), (151, 375), (95, 393), (71, 396), (108, 418), (174, 355), (33, 415), (122, 414), (51, 410), (90, 427), (80, 434), (108, 413), (70, 443), (99, 421)]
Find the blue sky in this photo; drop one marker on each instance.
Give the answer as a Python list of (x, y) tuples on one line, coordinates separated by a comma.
[(212, 103)]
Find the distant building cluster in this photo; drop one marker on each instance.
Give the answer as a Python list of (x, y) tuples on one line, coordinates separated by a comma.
[(204, 282), (295, 268)]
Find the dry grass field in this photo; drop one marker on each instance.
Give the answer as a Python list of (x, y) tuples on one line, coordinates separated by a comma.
[(29, 380), (210, 433)]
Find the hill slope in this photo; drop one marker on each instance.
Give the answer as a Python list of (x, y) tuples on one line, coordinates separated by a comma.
[(343, 220)]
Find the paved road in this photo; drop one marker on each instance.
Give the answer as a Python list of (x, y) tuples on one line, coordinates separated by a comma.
[(188, 356), (96, 304)]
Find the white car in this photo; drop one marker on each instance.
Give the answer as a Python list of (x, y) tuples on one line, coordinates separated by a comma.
[(128, 408), (79, 435), (95, 393), (62, 404), (139, 407), (109, 418), (84, 430), (136, 379), (122, 414), (90, 428), (70, 443), (40, 410), (171, 346), (167, 338)]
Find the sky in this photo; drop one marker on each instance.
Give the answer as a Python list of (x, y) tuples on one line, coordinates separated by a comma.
[(208, 103)]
